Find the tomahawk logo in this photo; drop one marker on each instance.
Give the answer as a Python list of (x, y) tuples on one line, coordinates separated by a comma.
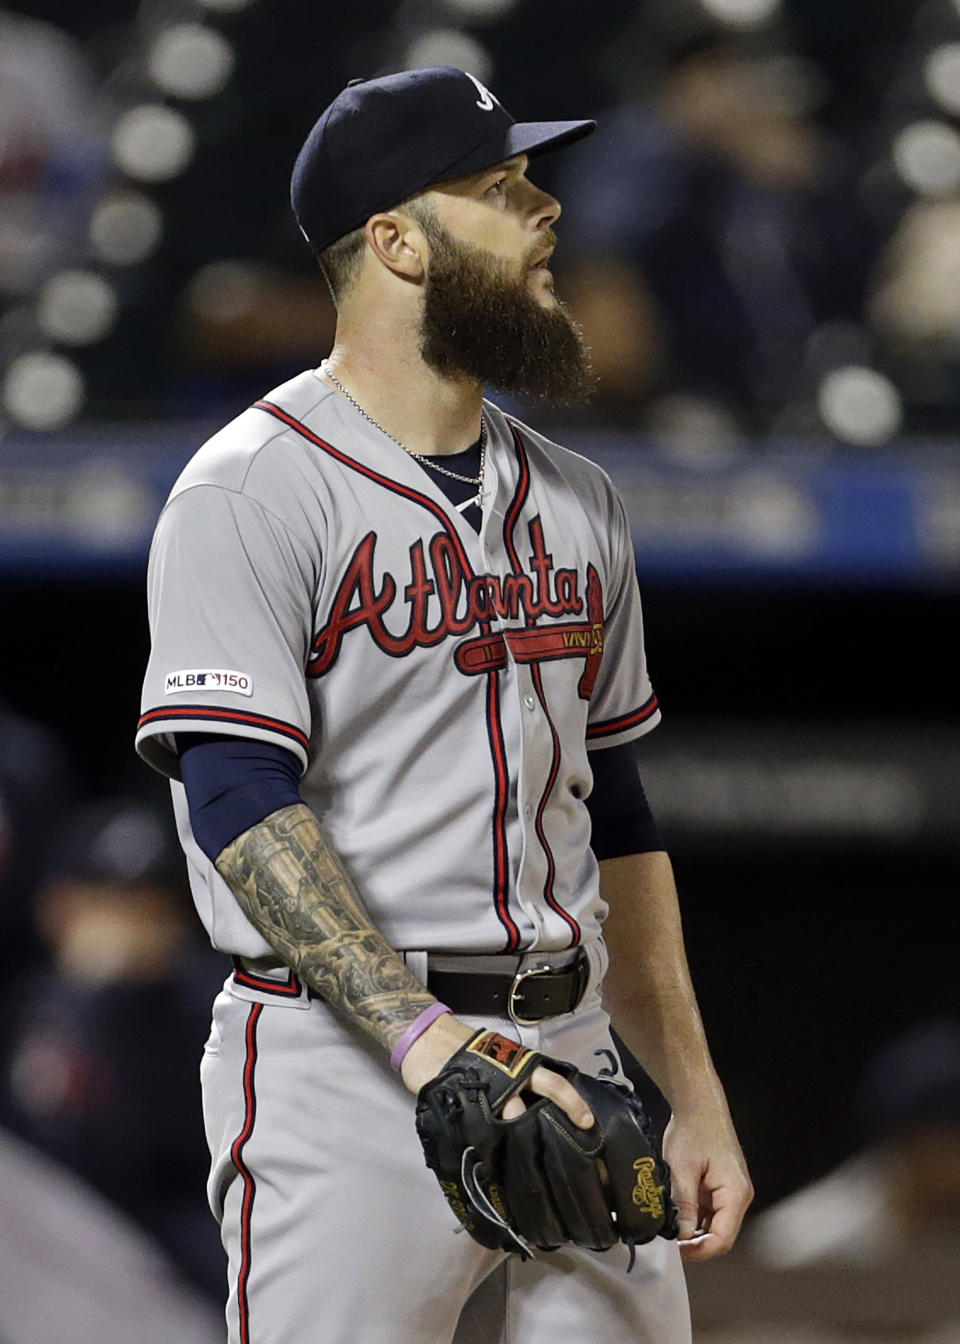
[(486, 101)]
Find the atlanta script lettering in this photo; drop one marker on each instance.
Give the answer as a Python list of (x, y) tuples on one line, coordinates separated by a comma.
[(463, 601)]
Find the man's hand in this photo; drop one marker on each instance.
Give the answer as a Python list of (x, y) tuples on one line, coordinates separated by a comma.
[(711, 1187), (649, 996), (443, 1038), (540, 1180)]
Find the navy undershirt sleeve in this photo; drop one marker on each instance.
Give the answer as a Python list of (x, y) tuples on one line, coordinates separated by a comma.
[(232, 783), (622, 820)]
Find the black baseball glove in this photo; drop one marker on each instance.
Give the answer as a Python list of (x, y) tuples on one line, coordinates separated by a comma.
[(539, 1180)]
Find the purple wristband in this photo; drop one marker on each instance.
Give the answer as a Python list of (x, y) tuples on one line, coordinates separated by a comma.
[(416, 1028)]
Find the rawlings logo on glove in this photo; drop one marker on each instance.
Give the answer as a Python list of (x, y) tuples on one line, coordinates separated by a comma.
[(539, 1180)]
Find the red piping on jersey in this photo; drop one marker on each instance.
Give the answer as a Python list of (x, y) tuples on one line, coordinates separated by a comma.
[(494, 726), (417, 498), (224, 715), (512, 514), (249, 1184), (607, 727), (510, 521), (548, 895), (290, 988), (500, 864)]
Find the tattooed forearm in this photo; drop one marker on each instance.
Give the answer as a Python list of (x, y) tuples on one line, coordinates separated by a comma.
[(292, 887)]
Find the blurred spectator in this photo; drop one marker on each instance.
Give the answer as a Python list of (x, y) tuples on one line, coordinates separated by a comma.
[(915, 311), (244, 325), (904, 1187), (103, 1071), (35, 788), (52, 151), (72, 1268), (871, 1251), (708, 231)]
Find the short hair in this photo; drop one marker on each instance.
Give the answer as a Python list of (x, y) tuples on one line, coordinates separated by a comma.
[(340, 262)]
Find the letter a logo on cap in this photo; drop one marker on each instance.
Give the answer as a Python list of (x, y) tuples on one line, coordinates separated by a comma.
[(486, 99)]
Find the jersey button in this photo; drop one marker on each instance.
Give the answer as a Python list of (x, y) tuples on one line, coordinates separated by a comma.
[(529, 701), (527, 811)]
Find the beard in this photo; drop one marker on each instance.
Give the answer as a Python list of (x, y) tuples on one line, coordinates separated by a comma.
[(480, 321)]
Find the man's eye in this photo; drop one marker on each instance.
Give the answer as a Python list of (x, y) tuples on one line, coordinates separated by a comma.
[(497, 187)]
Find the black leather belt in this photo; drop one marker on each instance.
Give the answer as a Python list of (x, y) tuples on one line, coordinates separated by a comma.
[(526, 997)]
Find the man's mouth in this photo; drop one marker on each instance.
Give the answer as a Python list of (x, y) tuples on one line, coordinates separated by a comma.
[(542, 261)]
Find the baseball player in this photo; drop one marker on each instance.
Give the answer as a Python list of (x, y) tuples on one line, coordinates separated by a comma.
[(397, 675)]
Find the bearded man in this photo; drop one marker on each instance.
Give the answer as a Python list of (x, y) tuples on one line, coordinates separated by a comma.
[(377, 580)]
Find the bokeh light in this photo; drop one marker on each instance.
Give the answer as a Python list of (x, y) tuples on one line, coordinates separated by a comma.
[(125, 227), (446, 46), (108, 504), (480, 11), (917, 297), (153, 143), (941, 75), (42, 391), (189, 60), (224, 291), (860, 406), (77, 307), (926, 154), (742, 13), (693, 429)]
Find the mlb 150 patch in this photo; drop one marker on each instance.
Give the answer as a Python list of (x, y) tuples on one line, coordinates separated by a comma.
[(207, 679)]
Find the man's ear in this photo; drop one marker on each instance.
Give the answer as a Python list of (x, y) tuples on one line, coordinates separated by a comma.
[(398, 243)]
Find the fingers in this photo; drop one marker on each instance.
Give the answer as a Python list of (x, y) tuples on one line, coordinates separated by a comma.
[(688, 1208), (548, 1084), (712, 1231), (711, 1185), (700, 1246), (706, 1244)]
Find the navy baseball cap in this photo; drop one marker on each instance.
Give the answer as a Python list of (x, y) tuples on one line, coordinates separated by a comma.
[(382, 140)]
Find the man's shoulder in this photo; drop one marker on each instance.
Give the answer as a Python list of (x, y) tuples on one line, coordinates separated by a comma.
[(259, 441), (552, 458)]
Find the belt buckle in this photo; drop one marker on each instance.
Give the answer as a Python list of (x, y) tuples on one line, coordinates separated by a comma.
[(514, 993)]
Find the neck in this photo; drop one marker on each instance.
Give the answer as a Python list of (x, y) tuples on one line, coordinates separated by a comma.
[(428, 412)]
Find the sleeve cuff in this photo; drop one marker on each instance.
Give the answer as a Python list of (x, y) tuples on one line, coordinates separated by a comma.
[(623, 727), (154, 741)]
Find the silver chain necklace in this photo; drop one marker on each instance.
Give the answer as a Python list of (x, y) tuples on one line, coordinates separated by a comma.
[(421, 457)]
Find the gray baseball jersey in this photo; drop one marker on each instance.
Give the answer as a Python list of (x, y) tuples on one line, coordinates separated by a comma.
[(309, 585)]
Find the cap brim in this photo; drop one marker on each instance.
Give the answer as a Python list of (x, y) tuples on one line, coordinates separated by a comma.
[(536, 137), (523, 137)]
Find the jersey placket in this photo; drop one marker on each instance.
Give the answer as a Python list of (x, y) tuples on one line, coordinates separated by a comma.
[(527, 732), (516, 702), (504, 552)]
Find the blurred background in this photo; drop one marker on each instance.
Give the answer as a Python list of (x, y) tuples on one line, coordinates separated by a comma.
[(762, 243)]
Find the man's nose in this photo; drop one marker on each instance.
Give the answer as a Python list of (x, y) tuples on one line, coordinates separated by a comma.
[(547, 210)]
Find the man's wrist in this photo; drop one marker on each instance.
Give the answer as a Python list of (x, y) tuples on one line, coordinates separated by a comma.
[(414, 1030), (432, 1049)]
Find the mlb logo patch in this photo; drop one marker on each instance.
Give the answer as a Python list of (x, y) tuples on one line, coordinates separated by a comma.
[(207, 679)]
